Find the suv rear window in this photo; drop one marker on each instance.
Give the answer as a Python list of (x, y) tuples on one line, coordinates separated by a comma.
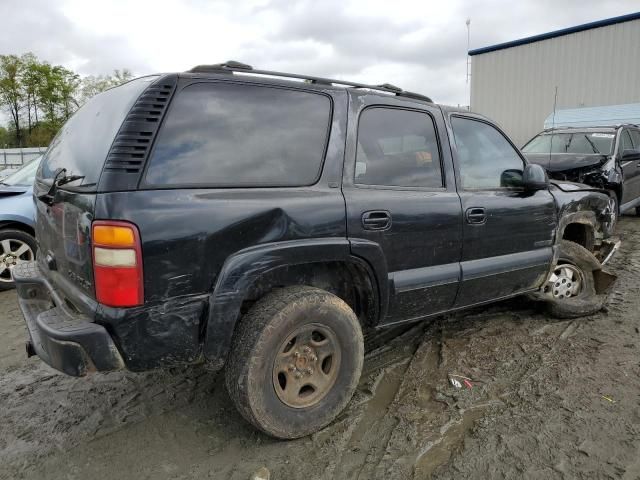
[(83, 142), (229, 135)]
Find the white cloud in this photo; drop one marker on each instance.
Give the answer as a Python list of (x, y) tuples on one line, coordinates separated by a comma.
[(414, 44)]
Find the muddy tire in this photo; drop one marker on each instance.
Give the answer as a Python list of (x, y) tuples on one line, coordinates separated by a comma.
[(580, 263), (295, 361), (16, 247)]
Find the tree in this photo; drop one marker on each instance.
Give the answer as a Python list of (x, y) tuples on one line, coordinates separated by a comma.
[(5, 137), (92, 85), (31, 81), (11, 91), (44, 96)]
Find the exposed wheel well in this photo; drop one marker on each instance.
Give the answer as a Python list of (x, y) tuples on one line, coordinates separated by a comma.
[(17, 226), (580, 233), (350, 281)]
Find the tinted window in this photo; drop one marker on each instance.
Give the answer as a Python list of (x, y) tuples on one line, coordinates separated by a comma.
[(232, 135), (83, 142), (397, 147), (635, 137), (485, 158), (579, 143), (625, 141)]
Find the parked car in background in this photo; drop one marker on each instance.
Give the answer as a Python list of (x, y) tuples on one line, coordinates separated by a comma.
[(261, 223), (17, 236), (604, 157), (5, 172)]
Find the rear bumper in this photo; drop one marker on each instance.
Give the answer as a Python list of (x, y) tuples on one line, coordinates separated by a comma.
[(66, 340)]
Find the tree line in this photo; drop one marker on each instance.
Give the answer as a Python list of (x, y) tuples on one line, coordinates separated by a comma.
[(39, 97)]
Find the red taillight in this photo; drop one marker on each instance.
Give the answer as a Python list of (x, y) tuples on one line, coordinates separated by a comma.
[(117, 263)]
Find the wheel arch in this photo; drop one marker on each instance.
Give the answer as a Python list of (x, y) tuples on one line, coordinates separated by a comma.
[(580, 228), (16, 225), (250, 274)]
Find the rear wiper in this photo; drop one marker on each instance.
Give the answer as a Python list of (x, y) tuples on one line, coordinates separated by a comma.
[(59, 179)]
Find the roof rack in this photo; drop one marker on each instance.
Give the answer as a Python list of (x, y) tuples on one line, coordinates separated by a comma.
[(233, 66)]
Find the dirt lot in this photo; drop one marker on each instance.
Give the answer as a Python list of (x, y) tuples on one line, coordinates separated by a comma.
[(550, 399)]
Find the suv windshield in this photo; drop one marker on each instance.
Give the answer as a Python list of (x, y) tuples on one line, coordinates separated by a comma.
[(25, 175), (575, 142), (83, 143)]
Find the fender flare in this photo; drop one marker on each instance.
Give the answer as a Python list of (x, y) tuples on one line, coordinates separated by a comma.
[(243, 269)]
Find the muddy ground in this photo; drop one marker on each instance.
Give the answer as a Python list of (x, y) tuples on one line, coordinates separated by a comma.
[(550, 399)]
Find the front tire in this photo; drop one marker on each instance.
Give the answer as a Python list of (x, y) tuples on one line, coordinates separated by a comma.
[(570, 289), (16, 247), (295, 361), (614, 210)]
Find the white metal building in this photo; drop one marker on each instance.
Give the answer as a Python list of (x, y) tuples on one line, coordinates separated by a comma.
[(595, 64)]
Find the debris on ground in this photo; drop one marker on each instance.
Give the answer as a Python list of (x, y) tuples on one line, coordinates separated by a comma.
[(534, 416)]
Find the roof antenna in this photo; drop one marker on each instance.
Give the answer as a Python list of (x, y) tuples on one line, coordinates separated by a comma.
[(553, 125)]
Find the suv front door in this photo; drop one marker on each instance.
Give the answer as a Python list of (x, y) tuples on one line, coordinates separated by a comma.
[(401, 200), (508, 233), (629, 139)]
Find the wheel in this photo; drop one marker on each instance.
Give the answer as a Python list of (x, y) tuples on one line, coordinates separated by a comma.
[(638, 211), (570, 289), (613, 210), (16, 247), (295, 361)]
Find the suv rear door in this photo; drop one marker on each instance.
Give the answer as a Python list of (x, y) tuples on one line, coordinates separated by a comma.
[(507, 233), (401, 197)]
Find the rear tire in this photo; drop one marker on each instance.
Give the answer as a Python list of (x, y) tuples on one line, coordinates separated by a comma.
[(12, 252), (585, 301), (295, 361)]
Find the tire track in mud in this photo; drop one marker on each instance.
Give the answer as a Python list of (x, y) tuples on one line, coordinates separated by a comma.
[(405, 421), (575, 412), (45, 411)]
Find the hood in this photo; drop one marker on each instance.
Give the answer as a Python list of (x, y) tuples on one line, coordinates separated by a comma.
[(574, 187), (12, 190), (558, 162)]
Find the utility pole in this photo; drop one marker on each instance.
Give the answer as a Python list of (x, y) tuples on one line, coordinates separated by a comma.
[(468, 22)]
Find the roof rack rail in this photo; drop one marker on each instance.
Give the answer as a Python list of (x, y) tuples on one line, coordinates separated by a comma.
[(234, 66)]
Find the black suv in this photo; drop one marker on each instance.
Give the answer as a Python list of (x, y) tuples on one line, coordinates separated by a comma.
[(603, 157), (262, 222)]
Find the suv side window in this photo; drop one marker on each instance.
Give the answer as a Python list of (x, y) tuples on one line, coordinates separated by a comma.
[(635, 137), (231, 135), (486, 158), (397, 148), (625, 143)]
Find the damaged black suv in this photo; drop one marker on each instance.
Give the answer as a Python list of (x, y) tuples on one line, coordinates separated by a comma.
[(603, 157), (261, 222)]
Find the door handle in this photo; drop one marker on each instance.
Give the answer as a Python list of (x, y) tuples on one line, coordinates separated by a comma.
[(376, 220), (476, 215)]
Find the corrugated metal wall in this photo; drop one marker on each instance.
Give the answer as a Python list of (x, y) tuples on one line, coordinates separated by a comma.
[(515, 86)]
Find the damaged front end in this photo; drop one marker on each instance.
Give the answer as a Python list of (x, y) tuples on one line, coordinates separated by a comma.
[(598, 171)]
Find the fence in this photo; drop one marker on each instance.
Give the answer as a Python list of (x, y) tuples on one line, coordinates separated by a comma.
[(15, 157)]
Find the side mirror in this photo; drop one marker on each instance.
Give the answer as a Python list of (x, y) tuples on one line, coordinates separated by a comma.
[(535, 178), (630, 155)]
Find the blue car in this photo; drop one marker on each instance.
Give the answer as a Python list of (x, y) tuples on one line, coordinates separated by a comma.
[(17, 241)]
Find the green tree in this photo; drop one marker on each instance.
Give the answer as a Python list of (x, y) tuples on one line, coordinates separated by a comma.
[(44, 96), (31, 81), (93, 85), (5, 137), (11, 90)]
